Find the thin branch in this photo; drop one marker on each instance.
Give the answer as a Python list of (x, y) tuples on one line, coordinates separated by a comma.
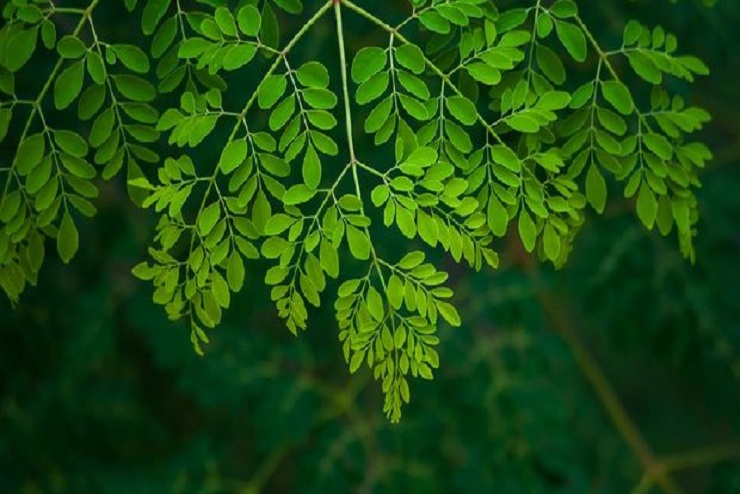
[(606, 394), (700, 457)]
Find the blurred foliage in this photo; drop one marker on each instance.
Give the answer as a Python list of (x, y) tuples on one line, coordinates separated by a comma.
[(99, 393)]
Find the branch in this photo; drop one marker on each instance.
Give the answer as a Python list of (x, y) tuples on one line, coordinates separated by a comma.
[(556, 314)]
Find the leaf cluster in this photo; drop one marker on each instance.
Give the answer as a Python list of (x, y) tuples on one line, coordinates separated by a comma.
[(563, 130)]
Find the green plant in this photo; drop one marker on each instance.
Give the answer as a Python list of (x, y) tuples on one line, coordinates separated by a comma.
[(290, 183)]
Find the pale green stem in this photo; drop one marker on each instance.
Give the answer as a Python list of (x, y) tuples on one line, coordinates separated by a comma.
[(345, 88), (353, 158)]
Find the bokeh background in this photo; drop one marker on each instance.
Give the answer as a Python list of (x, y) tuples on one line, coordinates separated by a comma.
[(100, 393)]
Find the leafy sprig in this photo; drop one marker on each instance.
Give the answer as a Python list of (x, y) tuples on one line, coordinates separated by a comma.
[(288, 187)]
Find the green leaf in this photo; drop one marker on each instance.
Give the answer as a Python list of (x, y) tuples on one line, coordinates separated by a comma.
[(375, 304), (503, 155), (462, 109), (225, 21), (102, 127), (498, 218), (68, 239), (434, 22), (596, 189), (356, 361), (422, 157), (20, 48), (320, 98), (71, 47), (9, 206), (271, 90), (359, 245), (132, 57), (395, 292), (448, 312), (313, 75), (484, 73), (298, 194), (573, 39), (411, 57), (550, 64), (659, 145), (632, 32), (414, 107), (249, 20), (551, 242), (220, 290), (378, 116), (6, 115), (694, 65), (413, 85), (329, 258), (233, 155), (290, 6), (368, 61), (30, 153), (239, 56), (564, 9), (68, 85), (278, 224), (372, 88), (411, 260), (527, 230), (553, 100), (193, 47), (208, 218), (618, 96), (644, 67), (276, 166), (71, 143), (48, 34), (282, 113), (427, 228), (523, 123), (647, 206), (269, 29), (145, 272), (235, 272), (153, 13), (135, 88)]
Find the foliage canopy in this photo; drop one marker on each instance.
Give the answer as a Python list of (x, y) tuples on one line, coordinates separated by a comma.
[(565, 121)]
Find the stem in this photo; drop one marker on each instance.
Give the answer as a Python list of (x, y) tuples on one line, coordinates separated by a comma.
[(354, 163), (703, 456), (345, 88), (616, 411), (348, 124)]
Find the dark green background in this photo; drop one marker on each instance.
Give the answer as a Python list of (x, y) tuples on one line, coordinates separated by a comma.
[(100, 393)]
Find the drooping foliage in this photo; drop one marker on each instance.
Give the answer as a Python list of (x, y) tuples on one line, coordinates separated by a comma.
[(565, 121)]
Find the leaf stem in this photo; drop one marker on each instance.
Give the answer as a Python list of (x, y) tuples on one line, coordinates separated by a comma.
[(350, 141), (345, 89)]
